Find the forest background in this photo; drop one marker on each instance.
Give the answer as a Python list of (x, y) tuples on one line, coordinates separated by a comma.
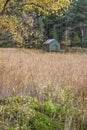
[(29, 23)]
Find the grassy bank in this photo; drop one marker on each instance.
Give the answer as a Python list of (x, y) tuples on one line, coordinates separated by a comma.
[(68, 112)]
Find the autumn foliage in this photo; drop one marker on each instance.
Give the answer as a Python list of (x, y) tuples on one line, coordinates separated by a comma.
[(45, 6), (17, 28)]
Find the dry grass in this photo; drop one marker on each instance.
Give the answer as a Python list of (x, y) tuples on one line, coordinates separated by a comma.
[(27, 72), (42, 75)]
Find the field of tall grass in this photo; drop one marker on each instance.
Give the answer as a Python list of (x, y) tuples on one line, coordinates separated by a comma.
[(50, 78), (26, 72)]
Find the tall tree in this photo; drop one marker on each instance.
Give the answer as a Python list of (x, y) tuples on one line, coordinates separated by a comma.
[(12, 16), (76, 18)]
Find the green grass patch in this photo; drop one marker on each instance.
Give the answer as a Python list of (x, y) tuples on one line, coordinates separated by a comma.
[(27, 113)]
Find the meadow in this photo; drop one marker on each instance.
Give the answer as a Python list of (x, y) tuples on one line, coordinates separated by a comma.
[(27, 72), (50, 78)]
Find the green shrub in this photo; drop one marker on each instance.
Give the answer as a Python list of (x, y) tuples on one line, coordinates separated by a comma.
[(26, 113), (76, 39), (49, 107), (43, 122)]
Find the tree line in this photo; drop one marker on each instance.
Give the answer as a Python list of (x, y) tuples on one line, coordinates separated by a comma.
[(28, 23)]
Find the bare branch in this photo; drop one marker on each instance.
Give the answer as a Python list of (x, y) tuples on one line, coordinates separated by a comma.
[(4, 7)]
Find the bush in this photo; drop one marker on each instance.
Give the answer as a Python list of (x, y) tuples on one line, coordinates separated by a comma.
[(43, 122), (26, 113), (76, 39)]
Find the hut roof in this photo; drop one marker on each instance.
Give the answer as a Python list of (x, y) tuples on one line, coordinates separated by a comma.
[(49, 41)]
